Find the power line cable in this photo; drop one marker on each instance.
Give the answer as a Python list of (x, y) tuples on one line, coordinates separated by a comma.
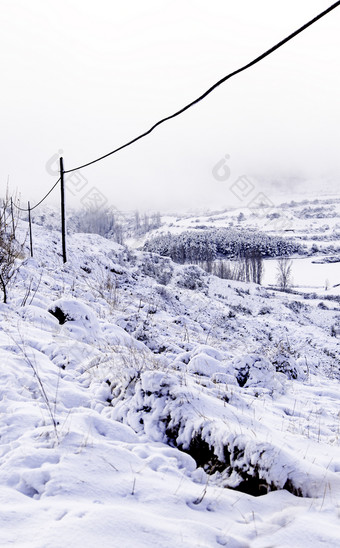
[(212, 88), (41, 201)]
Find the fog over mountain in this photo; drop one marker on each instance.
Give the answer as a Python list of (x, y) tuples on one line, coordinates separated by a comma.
[(83, 79)]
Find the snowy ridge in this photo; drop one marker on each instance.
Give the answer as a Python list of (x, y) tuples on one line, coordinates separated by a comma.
[(222, 433), (145, 404)]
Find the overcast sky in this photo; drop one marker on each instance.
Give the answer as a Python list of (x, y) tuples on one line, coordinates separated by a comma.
[(83, 77)]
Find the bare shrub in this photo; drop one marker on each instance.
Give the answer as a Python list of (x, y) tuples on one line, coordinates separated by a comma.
[(104, 283), (191, 277), (157, 267), (284, 273), (10, 249)]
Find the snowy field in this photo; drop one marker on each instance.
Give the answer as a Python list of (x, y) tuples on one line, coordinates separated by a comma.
[(196, 412), (307, 275)]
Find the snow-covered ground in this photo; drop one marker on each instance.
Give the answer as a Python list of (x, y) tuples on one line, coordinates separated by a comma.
[(149, 404), (308, 274)]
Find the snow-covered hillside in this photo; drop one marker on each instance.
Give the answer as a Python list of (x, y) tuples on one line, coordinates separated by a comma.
[(145, 404), (313, 223)]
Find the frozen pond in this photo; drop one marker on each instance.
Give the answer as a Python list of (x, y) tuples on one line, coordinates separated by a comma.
[(306, 274)]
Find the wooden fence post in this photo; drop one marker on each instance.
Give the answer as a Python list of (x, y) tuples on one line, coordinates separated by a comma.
[(63, 222)]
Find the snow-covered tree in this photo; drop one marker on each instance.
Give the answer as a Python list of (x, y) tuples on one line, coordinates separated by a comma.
[(284, 273), (10, 249)]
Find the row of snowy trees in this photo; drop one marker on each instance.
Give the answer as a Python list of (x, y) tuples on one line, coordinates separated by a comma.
[(144, 223), (210, 248), (208, 245), (102, 222), (246, 268), (113, 224)]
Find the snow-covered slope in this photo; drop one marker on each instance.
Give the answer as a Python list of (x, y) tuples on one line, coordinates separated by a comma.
[(313, 222), (149, 404)]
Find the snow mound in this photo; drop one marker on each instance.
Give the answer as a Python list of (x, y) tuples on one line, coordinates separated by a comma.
[(231, 446), (257, 372), (203, 364), (77, 318), (39, 317)]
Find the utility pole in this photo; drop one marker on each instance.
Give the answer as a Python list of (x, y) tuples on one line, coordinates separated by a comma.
[(30, 228), (12, 214), (63, 222)]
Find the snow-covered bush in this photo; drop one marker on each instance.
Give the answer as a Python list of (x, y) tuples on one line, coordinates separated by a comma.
[(191, 277), (158, 268), (284, 359), (296, 306), (288, 366), (264, 310), (257, 372), (77, 318), (206, 361), (140, 327)]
